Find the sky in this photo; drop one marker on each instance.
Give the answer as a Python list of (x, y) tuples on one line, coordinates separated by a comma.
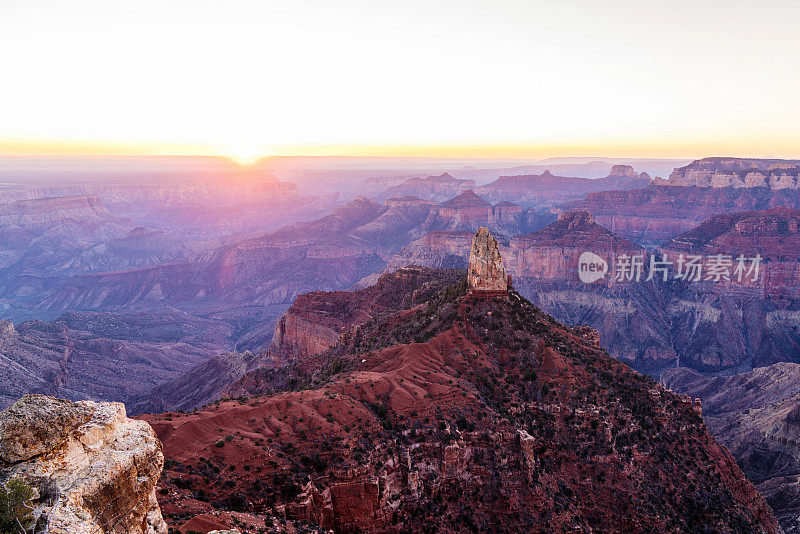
[(501, 78)]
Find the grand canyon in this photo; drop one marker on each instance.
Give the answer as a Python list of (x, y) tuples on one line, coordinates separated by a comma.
[(343, 372), (388, 267)]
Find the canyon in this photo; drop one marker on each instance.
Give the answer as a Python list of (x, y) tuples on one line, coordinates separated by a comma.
[(333, 252), (651, 325), (118, 357), (756, 416), (168, 313)]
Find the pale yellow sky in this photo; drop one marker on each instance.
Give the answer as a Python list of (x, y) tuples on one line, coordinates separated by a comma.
[(457, 78)]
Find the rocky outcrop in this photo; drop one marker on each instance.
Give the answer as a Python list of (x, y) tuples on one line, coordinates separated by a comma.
[(624, 170), (485, 271), (94, 470), (317, 320), (773, 174)]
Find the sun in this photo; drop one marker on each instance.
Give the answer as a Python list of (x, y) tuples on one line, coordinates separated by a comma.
[(244, 155)]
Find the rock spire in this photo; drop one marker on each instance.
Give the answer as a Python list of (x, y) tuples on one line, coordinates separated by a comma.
[(486, 272)]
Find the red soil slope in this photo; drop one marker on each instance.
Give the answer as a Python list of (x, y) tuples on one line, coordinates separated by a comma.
[(469, 413)]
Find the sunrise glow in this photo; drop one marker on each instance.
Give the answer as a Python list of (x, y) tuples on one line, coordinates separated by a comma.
[(243, 155), (528, 78)]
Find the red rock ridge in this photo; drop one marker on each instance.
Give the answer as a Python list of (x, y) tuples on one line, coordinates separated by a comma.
[(316, 320), (496, 416)]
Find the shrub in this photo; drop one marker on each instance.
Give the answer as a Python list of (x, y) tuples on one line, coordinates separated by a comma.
[(15, 510), (463, 424)]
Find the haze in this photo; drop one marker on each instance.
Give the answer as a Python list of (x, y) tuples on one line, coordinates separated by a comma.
[(499, 79)]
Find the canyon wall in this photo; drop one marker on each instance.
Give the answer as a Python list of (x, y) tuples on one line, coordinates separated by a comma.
[(774, 174)]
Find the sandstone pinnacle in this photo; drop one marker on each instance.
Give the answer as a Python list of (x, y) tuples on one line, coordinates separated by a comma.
[(486, 272)]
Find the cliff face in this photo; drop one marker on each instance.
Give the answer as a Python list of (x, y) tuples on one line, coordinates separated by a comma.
[(469, 211), (440, 249), (464, 413), (553, 253), (774, 174), (624, 170), (316, 320), (756, 415), (313, 323), (773, 235), (95, 470), (655, 214)]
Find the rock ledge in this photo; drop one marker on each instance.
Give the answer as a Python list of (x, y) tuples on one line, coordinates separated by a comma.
[(94, 470)]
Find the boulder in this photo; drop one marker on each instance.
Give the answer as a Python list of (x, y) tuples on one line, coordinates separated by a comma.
[(94, 470)]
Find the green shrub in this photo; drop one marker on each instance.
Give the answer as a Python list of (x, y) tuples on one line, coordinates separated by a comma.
[(15, 507)]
